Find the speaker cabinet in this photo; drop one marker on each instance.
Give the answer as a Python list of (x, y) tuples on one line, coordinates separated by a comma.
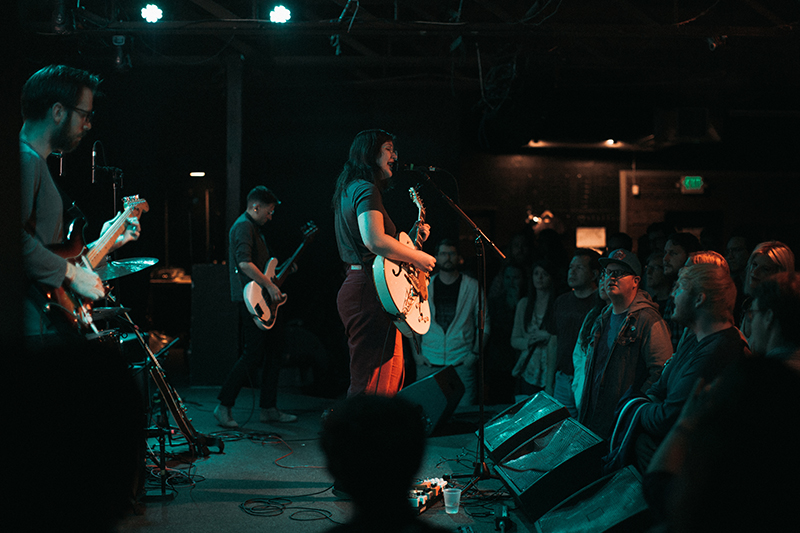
[(437, 394), (612, 503), (551, 466), (215, 325), (508, 430)]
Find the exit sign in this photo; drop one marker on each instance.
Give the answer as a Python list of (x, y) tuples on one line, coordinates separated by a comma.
[(692, 185)]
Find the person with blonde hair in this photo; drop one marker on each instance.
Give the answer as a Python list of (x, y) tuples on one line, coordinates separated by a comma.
[(704, 298), (767, 258)]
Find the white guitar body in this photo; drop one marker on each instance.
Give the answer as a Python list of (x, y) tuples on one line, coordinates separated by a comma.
[(258, 301), (403, 292)]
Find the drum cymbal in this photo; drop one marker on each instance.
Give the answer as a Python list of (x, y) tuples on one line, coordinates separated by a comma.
[(117, 269), (104, 313)]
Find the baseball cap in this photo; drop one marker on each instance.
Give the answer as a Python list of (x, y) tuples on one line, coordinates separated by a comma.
[(623, 257)]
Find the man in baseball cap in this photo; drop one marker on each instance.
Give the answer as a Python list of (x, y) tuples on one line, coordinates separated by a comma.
[(626, 259), (630, 343)]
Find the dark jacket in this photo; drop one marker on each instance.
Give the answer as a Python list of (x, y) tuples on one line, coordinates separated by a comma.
[(637, 356), (706, 359)]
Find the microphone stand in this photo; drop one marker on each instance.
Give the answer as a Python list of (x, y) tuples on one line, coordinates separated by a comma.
[(481, 471)]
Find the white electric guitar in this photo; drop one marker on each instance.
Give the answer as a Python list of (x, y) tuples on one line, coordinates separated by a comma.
[(402, 288), (257, 300)]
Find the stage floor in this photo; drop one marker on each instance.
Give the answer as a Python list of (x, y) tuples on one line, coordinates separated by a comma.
[(273, 476)]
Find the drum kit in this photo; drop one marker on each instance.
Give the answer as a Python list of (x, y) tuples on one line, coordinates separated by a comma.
[(171, 403), (112, 270)]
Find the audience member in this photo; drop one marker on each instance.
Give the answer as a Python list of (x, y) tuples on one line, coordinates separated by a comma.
[(518, 253), (569, 311), (618, 240), (365, 431), (452, 339), (737, 252), (530, 335), (630, 343), (500, 355), (583, 343), (730, 462), (767, 258), (676, 252), (550, 247), (774, 318), (655, 283), (657, 235), (704, 298)]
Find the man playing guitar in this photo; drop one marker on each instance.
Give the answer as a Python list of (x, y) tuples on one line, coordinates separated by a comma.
[(247, 257), (57, 103)]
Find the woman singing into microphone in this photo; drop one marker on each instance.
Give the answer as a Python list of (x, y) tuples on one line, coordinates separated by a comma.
[(364, 230)]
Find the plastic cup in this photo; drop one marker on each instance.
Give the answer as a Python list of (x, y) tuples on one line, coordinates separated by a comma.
[(452, 498)]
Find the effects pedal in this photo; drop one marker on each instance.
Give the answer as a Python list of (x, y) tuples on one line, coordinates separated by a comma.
[(425, 493)]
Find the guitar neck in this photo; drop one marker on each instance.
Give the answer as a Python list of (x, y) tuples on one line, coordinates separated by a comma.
[(281, 276), (103, 245)]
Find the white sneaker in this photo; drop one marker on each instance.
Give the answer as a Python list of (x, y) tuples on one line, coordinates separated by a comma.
[(224, 418), (273, 415)]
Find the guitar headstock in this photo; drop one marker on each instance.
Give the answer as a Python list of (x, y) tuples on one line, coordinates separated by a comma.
[(309, 229), (136, 204), (412, 192)]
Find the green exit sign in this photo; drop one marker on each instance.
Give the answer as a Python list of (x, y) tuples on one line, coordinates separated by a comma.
[(692, 185)]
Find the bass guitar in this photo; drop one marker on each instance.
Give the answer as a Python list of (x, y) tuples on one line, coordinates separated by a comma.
[(76, 309), (257, 300), (402, 288)]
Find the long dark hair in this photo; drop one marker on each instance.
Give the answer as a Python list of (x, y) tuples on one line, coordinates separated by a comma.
[(363, 162), (551, 269)]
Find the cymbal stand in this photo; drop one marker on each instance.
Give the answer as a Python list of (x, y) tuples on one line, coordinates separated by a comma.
[(162, 429), (481, 470)]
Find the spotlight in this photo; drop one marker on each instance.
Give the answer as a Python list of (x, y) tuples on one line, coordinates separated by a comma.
[(280, 14), (152, 13)]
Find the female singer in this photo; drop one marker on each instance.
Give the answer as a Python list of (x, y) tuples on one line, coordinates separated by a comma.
[(364, 230)]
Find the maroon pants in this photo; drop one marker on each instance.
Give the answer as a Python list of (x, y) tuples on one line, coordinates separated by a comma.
[(376, 347)]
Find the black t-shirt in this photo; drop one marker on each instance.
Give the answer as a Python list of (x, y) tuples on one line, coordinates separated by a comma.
[(359, 197), (445, 301), (246, 244)]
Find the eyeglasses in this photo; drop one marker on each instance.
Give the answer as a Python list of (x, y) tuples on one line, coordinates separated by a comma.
[(86, 115), (615, 274)]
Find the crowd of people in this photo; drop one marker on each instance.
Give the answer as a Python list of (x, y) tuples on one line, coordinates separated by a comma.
[(670, 363)]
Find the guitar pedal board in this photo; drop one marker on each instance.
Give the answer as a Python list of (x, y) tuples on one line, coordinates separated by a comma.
[(425, 493)]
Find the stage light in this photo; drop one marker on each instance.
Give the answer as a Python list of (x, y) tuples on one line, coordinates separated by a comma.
[(122, 59), (280, 14), (152, 13), (197, 174)]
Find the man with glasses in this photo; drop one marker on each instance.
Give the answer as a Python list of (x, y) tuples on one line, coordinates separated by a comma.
[(57, 109), (630, 343)]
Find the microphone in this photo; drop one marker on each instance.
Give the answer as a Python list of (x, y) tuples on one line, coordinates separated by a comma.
[(94, 155), (418, 168)]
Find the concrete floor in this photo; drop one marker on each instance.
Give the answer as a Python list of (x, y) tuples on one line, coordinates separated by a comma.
[(273, 477)]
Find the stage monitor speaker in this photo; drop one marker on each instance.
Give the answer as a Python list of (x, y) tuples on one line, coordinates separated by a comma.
[(614, 502), (215, 325), (437, 394), (551, 466), (510, 429)]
